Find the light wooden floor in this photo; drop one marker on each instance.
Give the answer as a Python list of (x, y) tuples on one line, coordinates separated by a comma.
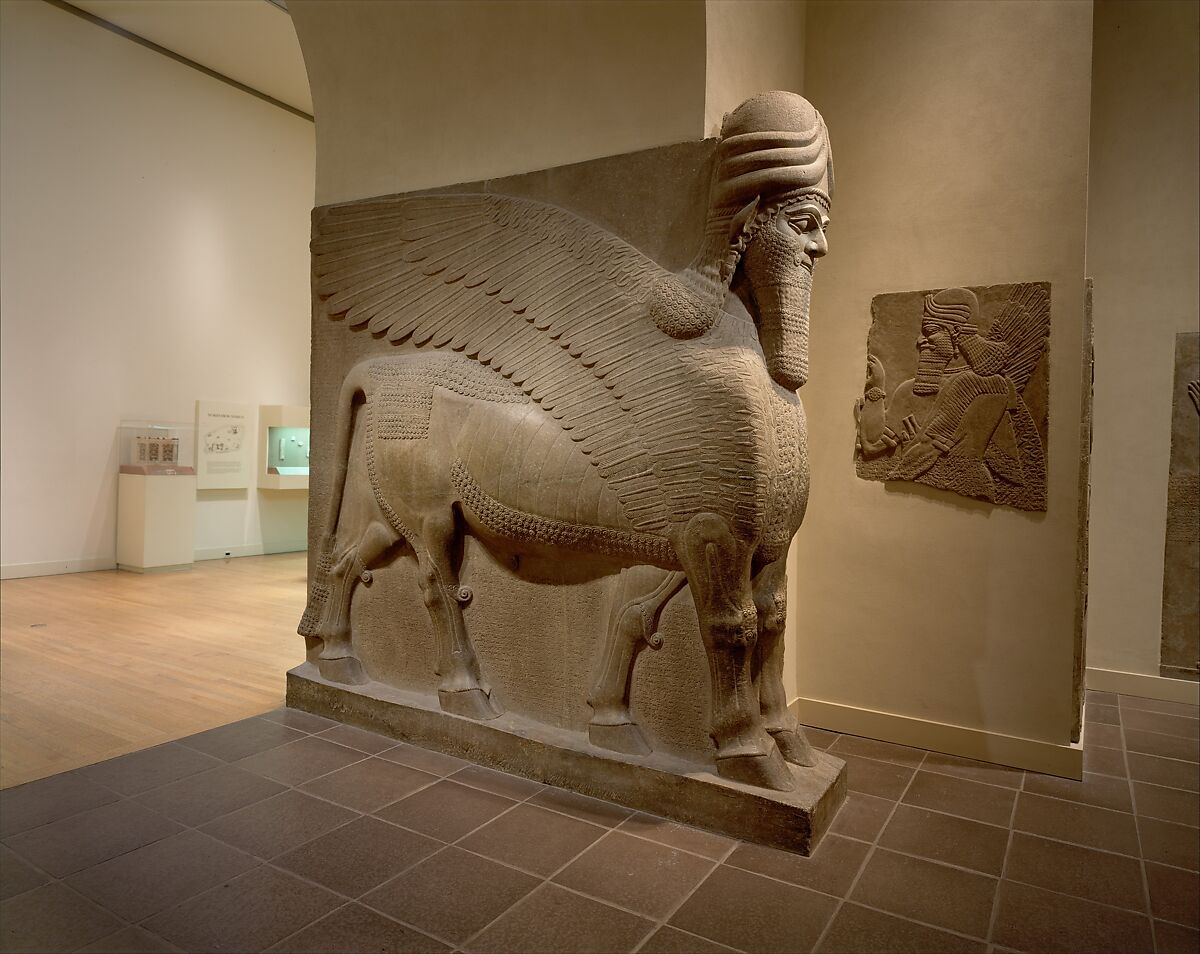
[(94, 665)]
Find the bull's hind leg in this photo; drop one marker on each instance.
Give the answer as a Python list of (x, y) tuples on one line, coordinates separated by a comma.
[(639, 597), (337, 660), (462, 690), (770, 598), (718, 571)]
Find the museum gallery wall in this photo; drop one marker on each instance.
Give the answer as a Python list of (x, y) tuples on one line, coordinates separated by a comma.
[(1147, 288), (153, 254)]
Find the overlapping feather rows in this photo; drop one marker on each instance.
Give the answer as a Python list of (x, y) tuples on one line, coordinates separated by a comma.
[(558, 306)]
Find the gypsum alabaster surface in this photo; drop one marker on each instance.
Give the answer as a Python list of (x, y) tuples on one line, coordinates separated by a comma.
[(1180, 656), (956, 392), (539, 387)]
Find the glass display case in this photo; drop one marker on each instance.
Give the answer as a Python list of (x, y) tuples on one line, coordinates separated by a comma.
[(287, 451), (156, 449), (284, 447)]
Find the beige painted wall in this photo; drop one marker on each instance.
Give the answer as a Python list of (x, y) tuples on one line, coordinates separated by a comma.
[(750, 46), (454, 92), (1142, 251), (153, 250), (960, 132)]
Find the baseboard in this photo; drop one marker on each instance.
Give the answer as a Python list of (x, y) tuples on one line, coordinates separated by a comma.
[(152, 570), (290, 546), (1144, 685), (18, 571), (1036, 756), (250, 549)]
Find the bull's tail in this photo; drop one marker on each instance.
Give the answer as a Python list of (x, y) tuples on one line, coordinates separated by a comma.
[(353, 387)]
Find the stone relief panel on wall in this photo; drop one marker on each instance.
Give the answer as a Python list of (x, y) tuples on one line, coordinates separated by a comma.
[(1180, 656), (547, 390), (956, 392)]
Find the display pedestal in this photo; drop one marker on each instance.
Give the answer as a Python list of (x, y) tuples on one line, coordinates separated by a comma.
[(156, 522), (655, 783)]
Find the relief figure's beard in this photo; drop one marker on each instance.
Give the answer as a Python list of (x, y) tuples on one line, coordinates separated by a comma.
[(931, 362), (783, 327)]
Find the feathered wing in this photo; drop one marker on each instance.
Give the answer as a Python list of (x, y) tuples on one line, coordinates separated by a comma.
[(1024, 326), (550, 301)]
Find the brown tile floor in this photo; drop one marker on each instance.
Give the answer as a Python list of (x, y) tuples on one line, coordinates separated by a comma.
[(290, 833)]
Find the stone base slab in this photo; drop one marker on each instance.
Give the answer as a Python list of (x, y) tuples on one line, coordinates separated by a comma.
[(655, 783)]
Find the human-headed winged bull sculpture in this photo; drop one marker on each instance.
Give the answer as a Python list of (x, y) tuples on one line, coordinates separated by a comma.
[(567, 394)]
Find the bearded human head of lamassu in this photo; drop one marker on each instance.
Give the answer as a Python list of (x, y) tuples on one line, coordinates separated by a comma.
[(768, 214)]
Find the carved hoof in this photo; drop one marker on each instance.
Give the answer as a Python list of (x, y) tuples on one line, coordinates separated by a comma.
[(627, 738), (766, 771), (470, 703), (794, 747), (345, 669)]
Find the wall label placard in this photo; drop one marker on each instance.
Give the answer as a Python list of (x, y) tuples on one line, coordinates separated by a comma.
[(224, 445)]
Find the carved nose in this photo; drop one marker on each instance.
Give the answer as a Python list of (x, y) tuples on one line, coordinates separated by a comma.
[(817, 247)]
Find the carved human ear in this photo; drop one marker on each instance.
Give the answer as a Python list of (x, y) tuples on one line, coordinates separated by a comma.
[(736, 239), (739, 221)]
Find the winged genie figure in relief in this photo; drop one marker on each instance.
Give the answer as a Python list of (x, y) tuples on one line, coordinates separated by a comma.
[(567, 395)]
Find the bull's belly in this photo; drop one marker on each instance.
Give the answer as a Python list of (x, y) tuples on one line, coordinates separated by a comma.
[(519, 456), (445, 430), (523, 482)]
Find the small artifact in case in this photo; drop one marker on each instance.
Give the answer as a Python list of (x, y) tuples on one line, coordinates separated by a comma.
[(155, 449)]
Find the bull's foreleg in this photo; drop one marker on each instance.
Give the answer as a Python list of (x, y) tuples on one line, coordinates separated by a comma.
[(639, 597), (718, 571), (462, 689), (770, 598), (336, 660)]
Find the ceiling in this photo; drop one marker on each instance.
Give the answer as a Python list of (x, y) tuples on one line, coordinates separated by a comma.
[(251, 41)]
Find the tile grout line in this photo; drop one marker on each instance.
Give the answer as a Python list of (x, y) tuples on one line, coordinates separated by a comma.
[(544, 878), (122, 797), (261, 862), (1137, 829), (932, 771), (1012, 820), (367, 755), (728, 852), (451, 844), (674, 909), (270, 862), (866, 860)]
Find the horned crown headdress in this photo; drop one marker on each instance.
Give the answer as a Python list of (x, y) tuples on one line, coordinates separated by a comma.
[(774, 147)]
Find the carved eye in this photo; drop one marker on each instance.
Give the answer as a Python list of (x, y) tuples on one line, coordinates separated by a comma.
[(803, 223)]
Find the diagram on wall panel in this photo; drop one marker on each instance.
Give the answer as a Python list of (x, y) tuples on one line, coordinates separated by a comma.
[(224, 445), (1180, 657), (956, 392)]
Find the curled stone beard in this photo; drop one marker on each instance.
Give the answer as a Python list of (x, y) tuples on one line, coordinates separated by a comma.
[(783, 327), (931, 362)]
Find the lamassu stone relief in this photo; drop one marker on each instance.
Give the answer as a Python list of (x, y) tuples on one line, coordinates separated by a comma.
[(1180, 657), (544, 388), (956, 392)]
